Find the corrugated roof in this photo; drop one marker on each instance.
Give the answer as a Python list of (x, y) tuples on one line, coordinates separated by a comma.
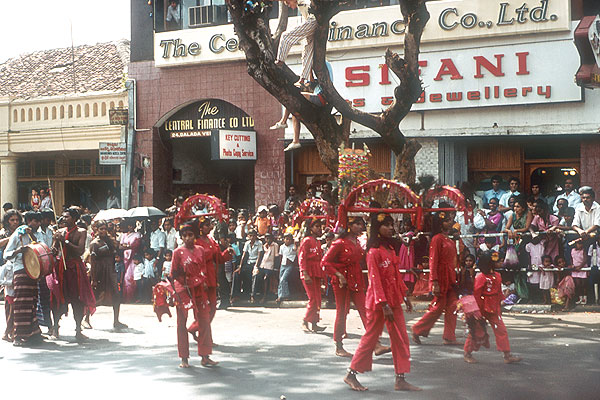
[(99, 67)]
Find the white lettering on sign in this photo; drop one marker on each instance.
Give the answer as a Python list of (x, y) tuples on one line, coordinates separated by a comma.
[(237, 145), (379, 27), (112, 153), (489, 76)]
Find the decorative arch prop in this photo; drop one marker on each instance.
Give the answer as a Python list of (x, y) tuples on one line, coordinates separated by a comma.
[(213, 205), (314, 208)]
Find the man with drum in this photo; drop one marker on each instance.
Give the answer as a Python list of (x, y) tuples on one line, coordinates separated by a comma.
[(26, 328), (44, 235), (73, 283)]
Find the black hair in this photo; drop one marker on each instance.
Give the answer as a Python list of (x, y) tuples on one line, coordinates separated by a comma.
[(546, 257), (436, 226), (377, 221), (309, 223), (231, 236), (8, 206), (138, 257), (149, 250), (521, 202), (73, 212), (490, 240), (8, 215), (496, 178), (32, 215), (189, 226), (47, 213), (87, 218), (514, 178), (559, 257), (470, 256), (569, 212), (485, 262), (168, 252), (351, 220)]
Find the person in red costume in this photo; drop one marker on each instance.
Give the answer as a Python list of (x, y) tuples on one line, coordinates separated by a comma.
[(311, 273), (213, 257), (385, 295), (343, 263), (443, 260), (488, 295), (190, 279)]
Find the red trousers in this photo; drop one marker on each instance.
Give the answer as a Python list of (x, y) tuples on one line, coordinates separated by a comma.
[(202, 322), (363, 357), (445, 303), (313, 291), (342, 308), (500, 332), (212, 300)]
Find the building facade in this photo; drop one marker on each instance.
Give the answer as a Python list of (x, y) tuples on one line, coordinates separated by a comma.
[(54, 113), (499, 98)]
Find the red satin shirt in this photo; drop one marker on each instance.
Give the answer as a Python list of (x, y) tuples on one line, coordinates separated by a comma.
[(345, 256), (213, 256), (309, 258), (443, 261), (385, 280)]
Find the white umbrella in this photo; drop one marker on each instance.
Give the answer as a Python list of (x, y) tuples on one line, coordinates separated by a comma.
[(107, 215), (144, 212)]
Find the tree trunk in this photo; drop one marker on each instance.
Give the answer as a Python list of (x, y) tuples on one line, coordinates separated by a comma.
[(405, 168)]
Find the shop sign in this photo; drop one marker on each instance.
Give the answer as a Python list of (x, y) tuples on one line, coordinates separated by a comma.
[(233, 145), (200, 118), (379, 27), (118, 116), (112, 153), (594, 38), (488, 76)]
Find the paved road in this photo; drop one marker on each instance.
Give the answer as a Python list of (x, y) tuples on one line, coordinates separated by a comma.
[(264, 355)]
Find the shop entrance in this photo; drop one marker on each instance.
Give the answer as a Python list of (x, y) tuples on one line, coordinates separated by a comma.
[(90, 194)]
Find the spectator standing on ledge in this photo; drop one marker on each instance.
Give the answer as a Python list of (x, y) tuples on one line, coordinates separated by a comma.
[(569, 194), (494, 192)]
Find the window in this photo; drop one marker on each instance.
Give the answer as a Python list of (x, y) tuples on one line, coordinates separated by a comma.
[(86, 110), (70, 111), (45, 113), (22, 115), (38, 114), (80, 167), (78, 110), (54, 112), (43, 168), (62, 112), (30, 114), (15, 116), (24, 168), (95, 109), (103, 109), (107, 170)]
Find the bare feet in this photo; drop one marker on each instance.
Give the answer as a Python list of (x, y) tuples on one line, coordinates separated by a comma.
[(305, 327), (316, 328), (207, 362), (415, 338), (80, 337), (468, 357), (401, 384), (341, 352), (381, 349), (86, 325), (510, 359), (451, 343), (184, 363), (119, 325), (354, 384)]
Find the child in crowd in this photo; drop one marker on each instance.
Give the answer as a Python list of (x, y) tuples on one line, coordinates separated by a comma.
[(594, 279), (262, 222), (288, 254), (489, 244), (120, 270), (406, 253), (509, 294), (579, 258), (148, 274), (166, 268), (536, 250), (546, 278), (138, 273), (235, 257), (488, 294), (466, 275), (566, 286)]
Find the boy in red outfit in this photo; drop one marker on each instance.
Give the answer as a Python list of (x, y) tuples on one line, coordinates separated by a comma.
[(488, 294)]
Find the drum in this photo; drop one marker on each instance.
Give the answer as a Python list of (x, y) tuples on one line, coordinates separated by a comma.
[(38, 260)]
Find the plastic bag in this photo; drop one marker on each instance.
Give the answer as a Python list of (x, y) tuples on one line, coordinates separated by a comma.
[(511, 260)]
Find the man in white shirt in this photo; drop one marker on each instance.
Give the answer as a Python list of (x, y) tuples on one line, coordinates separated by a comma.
[(171, 234), (569, 194), (173, 16), (263, 271), (46, 199), (513, 185), (587, 214), (158, 240), (112, 201)]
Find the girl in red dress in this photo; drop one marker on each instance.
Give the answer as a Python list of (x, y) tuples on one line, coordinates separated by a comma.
[(214, 257), (311, 273), (443, 262), (488, 295), (385, 295), (190, 278)]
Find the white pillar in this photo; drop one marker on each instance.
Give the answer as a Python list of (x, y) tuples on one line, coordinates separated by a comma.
[(8, 181)]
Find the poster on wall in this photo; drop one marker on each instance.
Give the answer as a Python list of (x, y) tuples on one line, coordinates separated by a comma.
[(112, 153), (233, 145)]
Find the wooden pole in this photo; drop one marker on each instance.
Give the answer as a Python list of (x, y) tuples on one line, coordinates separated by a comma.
[(62, 251)]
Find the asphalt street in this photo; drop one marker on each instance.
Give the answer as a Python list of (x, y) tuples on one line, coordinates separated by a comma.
[(264, 354)]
